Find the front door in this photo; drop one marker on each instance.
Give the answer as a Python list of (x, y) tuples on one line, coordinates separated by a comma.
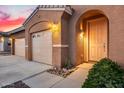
[(97, 30)]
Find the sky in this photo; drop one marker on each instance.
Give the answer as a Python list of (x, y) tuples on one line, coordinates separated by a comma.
[(13, 16)]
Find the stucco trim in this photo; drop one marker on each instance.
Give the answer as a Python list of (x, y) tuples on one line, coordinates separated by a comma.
[(38, 23), (59, 45)]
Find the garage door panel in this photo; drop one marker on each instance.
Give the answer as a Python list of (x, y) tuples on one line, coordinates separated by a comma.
[(20, 47), (42, 47)]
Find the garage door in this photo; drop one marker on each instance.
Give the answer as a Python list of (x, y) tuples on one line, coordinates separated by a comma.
[(20, 47), (42, 47)]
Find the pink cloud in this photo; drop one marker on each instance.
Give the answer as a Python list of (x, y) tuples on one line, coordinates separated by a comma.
[(12, 17), (9, 24)]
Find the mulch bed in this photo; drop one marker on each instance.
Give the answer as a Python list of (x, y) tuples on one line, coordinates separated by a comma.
[(61, 72), (18, 84)]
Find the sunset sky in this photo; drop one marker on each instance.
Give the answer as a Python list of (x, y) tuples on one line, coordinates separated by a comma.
[(13, 16)]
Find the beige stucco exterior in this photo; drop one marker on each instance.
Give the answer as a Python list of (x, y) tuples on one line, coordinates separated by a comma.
[(40, 22), (65, 40), (115, 16)]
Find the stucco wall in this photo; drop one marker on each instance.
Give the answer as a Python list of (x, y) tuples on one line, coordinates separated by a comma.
[(20, 34), (115, 16), (38, 23), (64, 38)]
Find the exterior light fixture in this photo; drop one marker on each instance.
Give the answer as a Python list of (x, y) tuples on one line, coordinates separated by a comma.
[(2, 39), (10, 39), (81, 30), (81, 34), (81, 26), (53, 27)]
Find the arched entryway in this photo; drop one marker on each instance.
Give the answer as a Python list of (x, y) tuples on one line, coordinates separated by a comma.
[(91, 37)]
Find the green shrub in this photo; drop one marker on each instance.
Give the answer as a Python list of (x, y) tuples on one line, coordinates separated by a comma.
[(105, 74)]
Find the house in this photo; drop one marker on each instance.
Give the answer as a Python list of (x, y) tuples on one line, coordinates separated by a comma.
[(5, 44), (17, 37), (13, 42), (55, 34)]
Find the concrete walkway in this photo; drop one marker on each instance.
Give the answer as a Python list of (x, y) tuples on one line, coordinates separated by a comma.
[(44, 80), (76, 79), (47, 80), (14, 68)]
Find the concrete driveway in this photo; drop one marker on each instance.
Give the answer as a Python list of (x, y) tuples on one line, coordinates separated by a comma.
[(33, 74), (14, 68)]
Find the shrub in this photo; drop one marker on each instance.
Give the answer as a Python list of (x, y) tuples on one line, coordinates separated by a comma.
[(105, 74)]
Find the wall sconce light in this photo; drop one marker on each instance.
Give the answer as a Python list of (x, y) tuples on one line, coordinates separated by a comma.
[(81, 26), (10, 39), (81, 35), (81, 30), (53, 27), (2, 39)]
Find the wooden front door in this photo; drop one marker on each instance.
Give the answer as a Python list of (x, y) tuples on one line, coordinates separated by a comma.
[(97, 30)]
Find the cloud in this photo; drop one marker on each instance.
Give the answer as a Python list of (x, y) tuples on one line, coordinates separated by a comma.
[(4, 16), (12, 17), (6, 25)]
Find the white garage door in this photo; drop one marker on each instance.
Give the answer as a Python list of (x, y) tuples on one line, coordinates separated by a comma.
[(20, 47), (42, 47)]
